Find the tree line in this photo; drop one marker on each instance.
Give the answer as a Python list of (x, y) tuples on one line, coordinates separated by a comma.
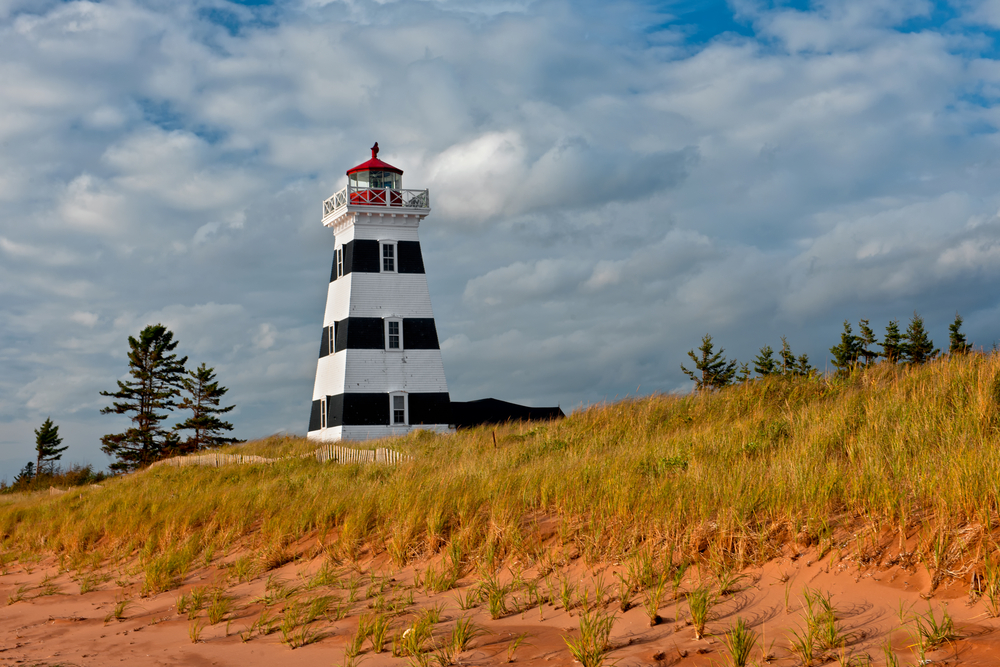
[(914, 346), (158, 383)]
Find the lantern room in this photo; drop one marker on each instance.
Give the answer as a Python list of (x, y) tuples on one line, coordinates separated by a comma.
[(374, 181)]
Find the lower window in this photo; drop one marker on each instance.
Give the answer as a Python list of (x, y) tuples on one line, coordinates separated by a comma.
[(398, 409), (322, 412)]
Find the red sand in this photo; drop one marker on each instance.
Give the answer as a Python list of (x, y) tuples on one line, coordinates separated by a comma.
[(66, 628)]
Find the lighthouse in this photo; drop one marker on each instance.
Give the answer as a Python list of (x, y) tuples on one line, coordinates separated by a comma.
[(379, 371)]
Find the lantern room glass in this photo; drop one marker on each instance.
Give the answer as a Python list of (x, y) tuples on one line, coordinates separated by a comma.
[(377, 179)]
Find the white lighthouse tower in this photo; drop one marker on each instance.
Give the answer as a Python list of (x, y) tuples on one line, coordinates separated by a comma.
[(379, 371)]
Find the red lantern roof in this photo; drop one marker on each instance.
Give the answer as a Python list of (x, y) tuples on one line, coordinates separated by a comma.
[(374, 164)]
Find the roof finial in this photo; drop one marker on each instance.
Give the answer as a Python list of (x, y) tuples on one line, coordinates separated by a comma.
[(375, 150)]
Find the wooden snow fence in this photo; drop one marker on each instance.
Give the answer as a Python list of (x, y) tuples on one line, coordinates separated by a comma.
[(214, 460), (325, 453), (346, 455)]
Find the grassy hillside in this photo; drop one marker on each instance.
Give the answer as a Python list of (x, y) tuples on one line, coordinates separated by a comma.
[(727, 478)]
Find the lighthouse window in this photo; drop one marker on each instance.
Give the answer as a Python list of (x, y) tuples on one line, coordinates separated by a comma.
[(399, 409), (322, 412), (394, 334), (339, 253), (388, 258)]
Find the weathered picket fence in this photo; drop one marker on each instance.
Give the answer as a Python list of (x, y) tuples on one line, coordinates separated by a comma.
[(340, 454), (325, 453), (214, 460)]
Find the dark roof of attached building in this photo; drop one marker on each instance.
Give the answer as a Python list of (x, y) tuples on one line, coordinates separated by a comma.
[(493, 411)]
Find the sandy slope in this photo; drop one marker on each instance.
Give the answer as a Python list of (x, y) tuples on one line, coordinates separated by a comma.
[(66, 628)]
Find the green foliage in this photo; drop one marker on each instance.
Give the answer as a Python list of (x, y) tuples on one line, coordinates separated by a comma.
[(847, 352), (956, 339), (47, 447), (155, 382), (713, 370), (918, 347), (203, 397), (893, 345), (764, 363)]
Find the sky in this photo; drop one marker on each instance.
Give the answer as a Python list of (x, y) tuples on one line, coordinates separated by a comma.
[(609, 183)]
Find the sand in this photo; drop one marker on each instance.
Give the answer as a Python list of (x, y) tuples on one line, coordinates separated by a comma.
[(56, 625)]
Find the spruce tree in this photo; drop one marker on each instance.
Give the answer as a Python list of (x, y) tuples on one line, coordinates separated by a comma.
[(893, 345), (788, 360), (47, 447), (27, 474), (865, 340), (802, 365), (764, 363), (156, 377), (711, 369), (958, 344), (203, 397), (917, 345), (846, 354)]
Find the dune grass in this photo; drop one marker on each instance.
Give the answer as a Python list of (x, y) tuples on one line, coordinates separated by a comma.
[(725, 478)]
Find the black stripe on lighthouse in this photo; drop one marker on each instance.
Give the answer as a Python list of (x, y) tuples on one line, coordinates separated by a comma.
[(362, 256), (368, 333), (372, 409)]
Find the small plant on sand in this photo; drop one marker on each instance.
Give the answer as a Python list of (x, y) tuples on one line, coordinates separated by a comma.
[(244, 569), (378, 631), (196, 600), (931, 632), (290, 620), (220, 605), (516, 643), (495, 594), (566, 591), (461, 637), (990, 585), (653, 600), (20, 594), (739, 642), (700, 602), (593, 644), (117, 612), (194, 630), (88, 582), (467, 601), (625, 592)]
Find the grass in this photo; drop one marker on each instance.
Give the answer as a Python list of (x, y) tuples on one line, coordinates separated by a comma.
[(700, 602), (739, 642), (731, 476), (591, 647)]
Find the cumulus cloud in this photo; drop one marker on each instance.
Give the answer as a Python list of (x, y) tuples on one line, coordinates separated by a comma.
[(608, 184)]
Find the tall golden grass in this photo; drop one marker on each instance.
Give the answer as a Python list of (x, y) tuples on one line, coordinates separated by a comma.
[(728, 477)]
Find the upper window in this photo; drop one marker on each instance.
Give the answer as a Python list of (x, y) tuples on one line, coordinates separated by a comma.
[(339, 254), (389, 257), (399, 416), (331, 340), (322, 412), (394, 334)]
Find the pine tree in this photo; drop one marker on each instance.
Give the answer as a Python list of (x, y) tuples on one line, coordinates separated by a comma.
[(846, 354), (204, 395), (27, 474), (744, 374), (958, 345), (47, 447), (802, 366), (156, 377), (764, 364), (917, 345), (788, 360), (893, 346), (866, 339), (715, 371)]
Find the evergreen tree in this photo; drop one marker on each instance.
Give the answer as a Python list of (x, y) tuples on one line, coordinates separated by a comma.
[(714, 370), (47, 447), (788, 360), (156, 377), (203, 397), (802, 365), (846, 354), (958, 345), (917, 345), (764, 364), (893, 346), (27, 474), (744, 374), (866, 339)]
